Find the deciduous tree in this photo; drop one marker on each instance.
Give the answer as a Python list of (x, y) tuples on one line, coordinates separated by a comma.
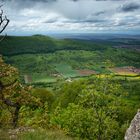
[(12, 93)]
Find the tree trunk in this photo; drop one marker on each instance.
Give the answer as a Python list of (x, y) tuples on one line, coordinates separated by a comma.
[(8, 102), (16, 115)]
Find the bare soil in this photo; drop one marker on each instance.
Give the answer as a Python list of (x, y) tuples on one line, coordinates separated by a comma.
[(126, 70), (86, 72)]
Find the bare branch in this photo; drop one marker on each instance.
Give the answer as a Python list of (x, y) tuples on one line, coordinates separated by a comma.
[(4, 21)]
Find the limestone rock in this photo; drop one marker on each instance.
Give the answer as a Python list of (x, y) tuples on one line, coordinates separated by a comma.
[(133, 132)]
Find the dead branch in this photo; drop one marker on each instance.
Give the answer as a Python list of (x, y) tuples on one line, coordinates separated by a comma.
[(4, 21)]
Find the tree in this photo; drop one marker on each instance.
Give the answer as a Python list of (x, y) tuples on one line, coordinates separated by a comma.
[(5, 72), (12, 93), (97, 113)]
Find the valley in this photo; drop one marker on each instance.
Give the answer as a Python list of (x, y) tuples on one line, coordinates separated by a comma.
[(43, 59), (69, 70), (66, 85)]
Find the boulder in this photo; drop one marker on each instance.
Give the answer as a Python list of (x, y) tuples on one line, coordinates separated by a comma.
[(133, 132)]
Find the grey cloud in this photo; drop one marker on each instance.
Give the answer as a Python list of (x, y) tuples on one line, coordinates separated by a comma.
[(88, 21), (94, 21), (27, 0), (130, 7), (72, 14), (110, 0), (21, 4), (99, 0), (51, 21), (100, 13), (76, 21)]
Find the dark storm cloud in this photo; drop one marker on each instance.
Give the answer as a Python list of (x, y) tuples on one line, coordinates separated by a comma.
[(130, 7)]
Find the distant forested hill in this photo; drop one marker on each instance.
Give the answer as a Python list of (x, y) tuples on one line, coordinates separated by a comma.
[(14, 45)]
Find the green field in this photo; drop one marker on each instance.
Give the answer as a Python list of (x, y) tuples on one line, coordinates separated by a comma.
[(47, 59), (66, 70), (42, 78)]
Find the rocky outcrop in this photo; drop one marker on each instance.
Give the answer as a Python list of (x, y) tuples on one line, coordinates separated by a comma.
[(133, 132)]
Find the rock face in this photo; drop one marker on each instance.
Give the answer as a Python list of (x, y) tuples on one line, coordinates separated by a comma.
[(133, 132)]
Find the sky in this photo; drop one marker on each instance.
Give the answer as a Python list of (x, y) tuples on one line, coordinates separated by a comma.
[(29, 17)]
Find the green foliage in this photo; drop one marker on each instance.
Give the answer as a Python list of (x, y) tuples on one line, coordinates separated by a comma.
[(13, 94), (44, 95), (100, 111), (83, 123), (5, 116), (93, 108), (37, 118), (69, 93)]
